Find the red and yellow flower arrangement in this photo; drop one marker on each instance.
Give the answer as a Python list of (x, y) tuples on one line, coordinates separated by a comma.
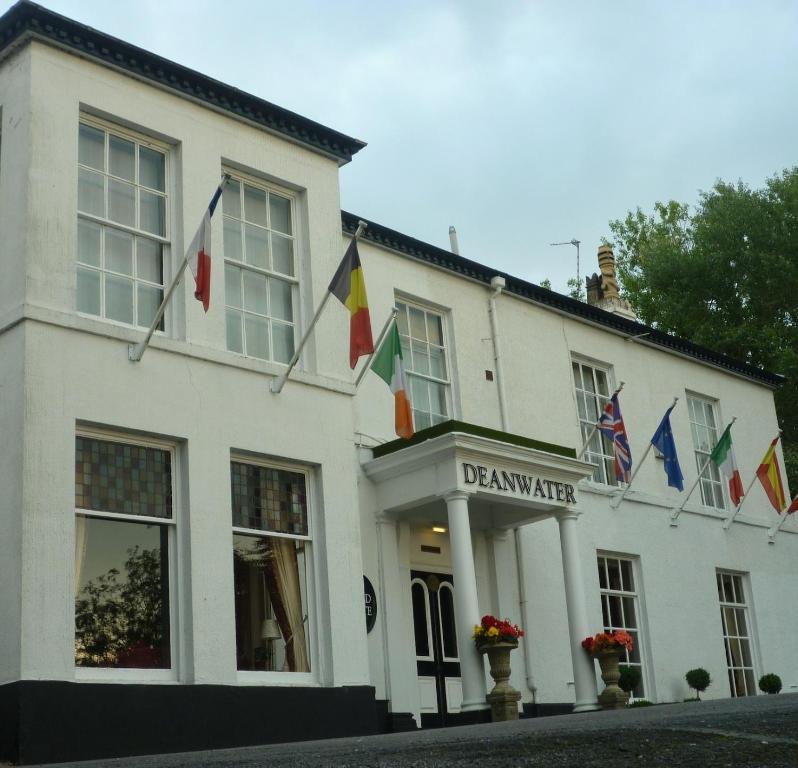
[(493, 630), (608, 641)]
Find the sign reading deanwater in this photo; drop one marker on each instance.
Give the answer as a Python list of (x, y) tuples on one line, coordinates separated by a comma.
[(513, 482)]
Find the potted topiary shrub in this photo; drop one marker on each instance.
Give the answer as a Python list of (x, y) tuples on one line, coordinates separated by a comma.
[(699, 680), (770, 683), (630, 678)]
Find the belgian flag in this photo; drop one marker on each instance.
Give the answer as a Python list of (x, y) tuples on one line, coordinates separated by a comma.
[(349, 288)]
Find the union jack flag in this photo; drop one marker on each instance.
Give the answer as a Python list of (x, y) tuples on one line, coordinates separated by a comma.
[(612, 427)]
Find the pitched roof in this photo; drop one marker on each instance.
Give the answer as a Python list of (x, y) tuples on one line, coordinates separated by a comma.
[(26, 20), (443, 259)]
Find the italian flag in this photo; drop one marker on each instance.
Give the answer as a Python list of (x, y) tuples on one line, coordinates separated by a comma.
[(723, 458), (389, 366)]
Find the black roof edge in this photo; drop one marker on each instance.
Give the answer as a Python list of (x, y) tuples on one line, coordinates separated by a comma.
[(438, 257), (27, 18)]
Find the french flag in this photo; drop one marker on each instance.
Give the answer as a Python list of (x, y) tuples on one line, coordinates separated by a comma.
[(199, 252)]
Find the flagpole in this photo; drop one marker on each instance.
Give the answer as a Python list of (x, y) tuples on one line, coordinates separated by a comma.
[(136, 351), (595, 426), (729, 520), (773, 531), (676, 512), (277, 384), (616, 502), (377, 345)]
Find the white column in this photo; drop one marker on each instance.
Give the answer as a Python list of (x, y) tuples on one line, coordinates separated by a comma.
[(578, 628), (466, 604)]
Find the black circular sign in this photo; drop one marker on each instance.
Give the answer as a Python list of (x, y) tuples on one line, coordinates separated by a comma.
[(370, 604)]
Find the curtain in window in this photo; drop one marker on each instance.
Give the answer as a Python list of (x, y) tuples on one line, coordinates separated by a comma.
[(282, 579)]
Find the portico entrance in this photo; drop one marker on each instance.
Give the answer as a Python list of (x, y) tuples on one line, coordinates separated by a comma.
[(476, 480)]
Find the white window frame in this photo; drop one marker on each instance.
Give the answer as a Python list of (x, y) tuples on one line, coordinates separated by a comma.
[(259, 677), (120, 674), (413, 375), (294, 281), (712, 484), (428, 618), (638, 632), (738, 584), (599, 452), (112, 129), (450, 587)]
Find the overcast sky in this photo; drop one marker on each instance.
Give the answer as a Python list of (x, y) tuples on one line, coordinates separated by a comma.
[(521, 123)]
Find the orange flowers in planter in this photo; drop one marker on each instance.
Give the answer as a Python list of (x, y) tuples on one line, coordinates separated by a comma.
[(608, 641), (493, 630)]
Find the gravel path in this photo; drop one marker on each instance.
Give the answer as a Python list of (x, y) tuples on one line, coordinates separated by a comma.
[(760, 732)]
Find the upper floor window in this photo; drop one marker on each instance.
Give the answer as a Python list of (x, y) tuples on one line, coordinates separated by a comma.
[(703, 426), (592, 394), (259, 270), (421, 332), (122, 224)]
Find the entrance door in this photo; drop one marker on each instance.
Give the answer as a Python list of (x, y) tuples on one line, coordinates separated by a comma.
[(437, 661)]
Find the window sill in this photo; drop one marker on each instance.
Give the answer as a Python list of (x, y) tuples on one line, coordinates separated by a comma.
[(286, 679), (113, 675), (125, 335)]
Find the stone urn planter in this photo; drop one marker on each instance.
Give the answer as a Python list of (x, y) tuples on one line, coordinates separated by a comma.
[(503, 699), (612, 697)]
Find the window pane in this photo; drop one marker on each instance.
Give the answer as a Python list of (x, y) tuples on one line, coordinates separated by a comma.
[(152, 169), (255, 205), (88, 298), (437, 396), (122, 478), (401, 319), (122, 158), (152, 211), (232, 240), (119, 299), (256, 289), (419, 393), (448, 631), (149, 260), (602, 573), (118, 251), (282, 255), (121, 202), (626, 576), (280, 209), (420, 620), (420, 357), (418, 327), (89, 238), (149, 300), (283, 336), (91, 192), (122, 594), (614, 572), (616, 618), (231, 199), (629, 615), (232, 286), (421, 420), (281, 303), (257, 246), (235, 337), (601, 381), (577, 375), (257, 336), (270, 605), (268, 499), (588, 379), (91, 147), (437, 362), (435, 332)]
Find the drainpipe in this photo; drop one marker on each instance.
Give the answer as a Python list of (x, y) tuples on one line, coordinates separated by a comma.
[(498, 284)]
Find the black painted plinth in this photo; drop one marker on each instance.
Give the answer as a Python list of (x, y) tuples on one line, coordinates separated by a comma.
[(52, 721)]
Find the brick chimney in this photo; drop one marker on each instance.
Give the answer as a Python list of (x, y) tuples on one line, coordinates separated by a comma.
[(602, 290)]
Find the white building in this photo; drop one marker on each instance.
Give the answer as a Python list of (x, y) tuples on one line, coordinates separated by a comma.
[(184, 551)]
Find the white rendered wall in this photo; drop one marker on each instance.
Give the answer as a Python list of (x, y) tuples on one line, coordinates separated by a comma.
[(194, 393)]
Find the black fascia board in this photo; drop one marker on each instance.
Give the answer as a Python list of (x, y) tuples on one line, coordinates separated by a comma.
[(29, 19), (438, 257)]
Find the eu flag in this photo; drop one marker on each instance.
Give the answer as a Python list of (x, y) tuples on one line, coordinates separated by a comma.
[(663, 442)]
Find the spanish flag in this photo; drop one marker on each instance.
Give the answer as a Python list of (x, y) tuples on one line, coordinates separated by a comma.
[(770, 477), (349, 288)]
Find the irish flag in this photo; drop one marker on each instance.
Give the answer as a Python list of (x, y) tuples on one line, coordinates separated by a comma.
[(389, 366), (770, 477), (349, 288), (723, 457)]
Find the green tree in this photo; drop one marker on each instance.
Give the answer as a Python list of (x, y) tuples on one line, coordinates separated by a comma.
[(723, 274)]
